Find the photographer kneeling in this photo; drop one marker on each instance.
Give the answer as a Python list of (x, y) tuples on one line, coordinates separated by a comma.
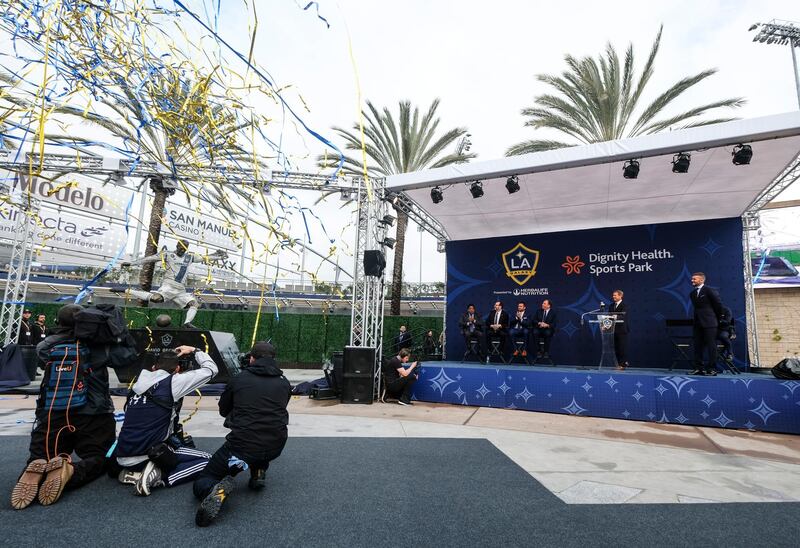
[(400, 379), (147, 448), (254, 406)]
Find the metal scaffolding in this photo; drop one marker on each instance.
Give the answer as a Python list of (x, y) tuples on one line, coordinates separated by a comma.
[(750, 224), (19, 268)]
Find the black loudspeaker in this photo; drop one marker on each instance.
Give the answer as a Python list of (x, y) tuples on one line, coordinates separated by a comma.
[(358, 390), (358, 376), (359, 360), (338, 371), (374, 263)]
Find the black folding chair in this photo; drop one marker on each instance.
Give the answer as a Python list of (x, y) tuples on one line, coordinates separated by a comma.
[(473, 348), (494, 348), (679, 333)]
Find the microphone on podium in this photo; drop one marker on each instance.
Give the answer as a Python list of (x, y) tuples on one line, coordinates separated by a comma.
[(602, 306)]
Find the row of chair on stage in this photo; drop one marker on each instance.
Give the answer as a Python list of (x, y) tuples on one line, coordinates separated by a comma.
[(509, 338)]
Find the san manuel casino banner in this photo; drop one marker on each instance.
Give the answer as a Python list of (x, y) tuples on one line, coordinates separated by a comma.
[(577, 270)]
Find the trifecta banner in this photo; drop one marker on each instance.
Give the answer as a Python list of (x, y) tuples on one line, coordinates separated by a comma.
[(578, 270)]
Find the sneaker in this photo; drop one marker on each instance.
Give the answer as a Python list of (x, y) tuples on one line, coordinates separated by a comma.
[(257, 479), (212, 504), (710, 373), (129, 477), (404, 402), (697, 372), (151, 478)]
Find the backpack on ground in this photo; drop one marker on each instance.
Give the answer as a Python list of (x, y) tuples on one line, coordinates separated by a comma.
[(788, 368), (66, 375)]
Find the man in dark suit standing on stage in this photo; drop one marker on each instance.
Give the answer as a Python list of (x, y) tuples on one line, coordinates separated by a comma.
[(472, 328), (621, 329), (544, 325), (707, 310), (403, 339), (497, 325)]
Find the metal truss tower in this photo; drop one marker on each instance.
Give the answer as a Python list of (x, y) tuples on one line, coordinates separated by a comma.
[(19, 268), (751, 223), (366, 319)]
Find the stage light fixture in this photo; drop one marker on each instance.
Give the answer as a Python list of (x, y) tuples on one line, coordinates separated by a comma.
[(388, 220), (630, 169), (388, 242), (512, 184), (680, 162), (436, 195), (476, 189), (742, 154)]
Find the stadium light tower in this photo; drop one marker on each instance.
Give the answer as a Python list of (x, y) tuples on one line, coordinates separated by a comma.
[(781, 33)]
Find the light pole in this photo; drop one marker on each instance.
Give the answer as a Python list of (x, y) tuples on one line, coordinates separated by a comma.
[(781, 33)]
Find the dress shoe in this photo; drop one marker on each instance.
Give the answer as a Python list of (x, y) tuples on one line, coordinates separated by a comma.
[(524, 353), (516, 352), (710, 373)]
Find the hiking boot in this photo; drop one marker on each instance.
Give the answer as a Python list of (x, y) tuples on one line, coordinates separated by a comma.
[(212, 504), (257, 479), (59, 471), (27, 487), (129, 477), (150, 479)]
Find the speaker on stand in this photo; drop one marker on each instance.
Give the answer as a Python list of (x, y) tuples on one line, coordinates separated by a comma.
[(358, 375)]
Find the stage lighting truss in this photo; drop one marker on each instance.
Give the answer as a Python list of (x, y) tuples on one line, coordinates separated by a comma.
[(476, 189), (630, 170), (436, 195), (512, 184), (742, 154), (680, 162)]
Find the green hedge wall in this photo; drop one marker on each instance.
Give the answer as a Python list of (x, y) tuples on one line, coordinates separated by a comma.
[(299, 338)]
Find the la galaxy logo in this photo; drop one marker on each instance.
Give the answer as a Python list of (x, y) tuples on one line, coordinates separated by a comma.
[(166, 340), (520, 263)]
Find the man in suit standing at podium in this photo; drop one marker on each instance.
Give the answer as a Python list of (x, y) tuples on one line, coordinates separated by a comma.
[(621, 330), (544, 325), (707, 310)]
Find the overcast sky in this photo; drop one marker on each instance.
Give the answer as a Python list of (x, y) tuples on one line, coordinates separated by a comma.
[(480, 58)]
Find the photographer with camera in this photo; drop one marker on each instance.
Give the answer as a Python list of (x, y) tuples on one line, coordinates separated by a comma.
[(148, 449), (74, 413), (400, 379), (254, 406)]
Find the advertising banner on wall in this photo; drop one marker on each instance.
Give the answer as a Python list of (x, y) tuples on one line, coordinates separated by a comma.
[(578, 270), (200, 227), (76, 192), (61, 230)]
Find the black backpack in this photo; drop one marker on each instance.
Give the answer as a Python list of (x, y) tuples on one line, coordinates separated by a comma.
[(104, 324), (788, 368)]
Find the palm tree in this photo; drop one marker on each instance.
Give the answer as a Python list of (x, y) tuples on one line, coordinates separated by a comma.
[(399, 145), (597, 99)]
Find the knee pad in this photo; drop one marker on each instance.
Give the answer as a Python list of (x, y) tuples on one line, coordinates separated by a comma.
[(163, 456)]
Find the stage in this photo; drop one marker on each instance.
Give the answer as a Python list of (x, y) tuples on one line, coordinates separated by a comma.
[(747, 401)]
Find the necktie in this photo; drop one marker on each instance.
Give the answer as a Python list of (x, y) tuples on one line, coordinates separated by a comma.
[(544, 316), (497, 318)]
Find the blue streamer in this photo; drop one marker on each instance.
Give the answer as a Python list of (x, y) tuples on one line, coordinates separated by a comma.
[(261, 75), (316, 5), (87, 288)]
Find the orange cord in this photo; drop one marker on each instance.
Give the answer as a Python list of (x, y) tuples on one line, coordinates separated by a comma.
[(67, 426)]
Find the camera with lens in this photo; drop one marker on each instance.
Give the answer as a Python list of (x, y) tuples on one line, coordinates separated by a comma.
[(244, 359)]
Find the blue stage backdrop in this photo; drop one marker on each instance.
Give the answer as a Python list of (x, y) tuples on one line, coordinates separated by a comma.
[(577, 270)]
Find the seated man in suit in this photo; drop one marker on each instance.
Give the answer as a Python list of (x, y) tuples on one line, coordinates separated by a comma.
[(403, 339), (621, 330), (472, 328), (520, 323), (497, 325), (726, 332), (544, 325)]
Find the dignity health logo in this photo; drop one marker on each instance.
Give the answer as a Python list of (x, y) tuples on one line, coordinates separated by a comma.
[(520, 263)]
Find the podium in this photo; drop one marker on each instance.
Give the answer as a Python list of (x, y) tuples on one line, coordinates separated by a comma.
[(607, 323)]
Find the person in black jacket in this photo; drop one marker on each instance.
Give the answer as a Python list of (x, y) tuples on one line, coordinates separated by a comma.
[(254, 406), (87, 429), (707, 310), (25, 333), (726, 332), (621, 329)]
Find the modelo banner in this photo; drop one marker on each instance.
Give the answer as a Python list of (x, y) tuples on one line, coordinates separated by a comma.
[(577, 270), (76, 192)]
